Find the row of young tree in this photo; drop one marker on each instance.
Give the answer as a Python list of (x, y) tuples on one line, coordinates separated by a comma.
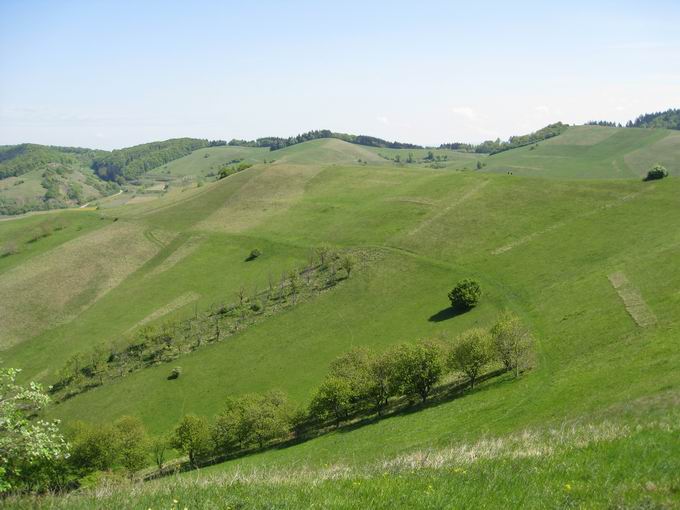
[(153, 345), (36, 456), (360, 383)]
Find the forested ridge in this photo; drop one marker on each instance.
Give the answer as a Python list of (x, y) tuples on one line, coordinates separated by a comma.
[(276, 142)]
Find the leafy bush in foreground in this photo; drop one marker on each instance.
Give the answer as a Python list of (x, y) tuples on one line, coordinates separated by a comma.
[(30, 450)]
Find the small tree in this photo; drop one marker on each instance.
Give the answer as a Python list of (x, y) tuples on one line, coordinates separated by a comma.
[(324, 252), (268, 417), (347, 263), (332, 399), (94, 447), (419, 368), (353, 367), (294, 283), (471, 352), (192, 437), (134, 443), (512, 342), (465, 294), (230, 430), (657, 172), (159, 446), (383, 379)]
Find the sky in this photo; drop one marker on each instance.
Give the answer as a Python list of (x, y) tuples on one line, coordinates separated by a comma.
[(110, 74)]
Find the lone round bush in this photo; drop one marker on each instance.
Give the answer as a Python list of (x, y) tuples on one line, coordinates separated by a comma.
[(254, 254), (465, 294), (656, 173)]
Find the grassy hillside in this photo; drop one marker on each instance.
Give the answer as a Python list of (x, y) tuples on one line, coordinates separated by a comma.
[(582, 257), (592, 152)]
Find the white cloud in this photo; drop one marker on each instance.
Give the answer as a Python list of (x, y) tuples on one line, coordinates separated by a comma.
[(467, 112)]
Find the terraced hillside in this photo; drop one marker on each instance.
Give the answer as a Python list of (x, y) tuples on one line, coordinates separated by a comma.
[(581, 256)]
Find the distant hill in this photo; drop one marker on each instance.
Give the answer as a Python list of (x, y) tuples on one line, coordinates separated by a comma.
[(16, 160), (592, 152), (38, 177), (131, 162)]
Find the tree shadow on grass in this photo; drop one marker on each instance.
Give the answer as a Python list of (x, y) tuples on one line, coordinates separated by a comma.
[(402, 406), (447, 313)]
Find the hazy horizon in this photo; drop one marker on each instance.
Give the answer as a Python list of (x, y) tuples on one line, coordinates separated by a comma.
[(106, 75)]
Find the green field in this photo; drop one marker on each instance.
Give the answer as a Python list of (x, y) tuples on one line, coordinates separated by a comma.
[(549, 242)]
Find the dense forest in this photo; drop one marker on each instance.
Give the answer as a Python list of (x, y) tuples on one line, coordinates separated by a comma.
[(275, 142), (131, 162), (16, 160), (670, 119)]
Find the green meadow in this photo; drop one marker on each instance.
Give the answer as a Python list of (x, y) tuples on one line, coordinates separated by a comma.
[(564, 233)]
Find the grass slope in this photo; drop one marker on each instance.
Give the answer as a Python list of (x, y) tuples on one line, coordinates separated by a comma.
[(592, 152), (544, 248)]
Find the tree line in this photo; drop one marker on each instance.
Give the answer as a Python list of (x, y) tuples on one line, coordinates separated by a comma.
[(154, 345), (497, 145), (668, 119), (275, 142), (360, 383), (129, 163), (36, 456)]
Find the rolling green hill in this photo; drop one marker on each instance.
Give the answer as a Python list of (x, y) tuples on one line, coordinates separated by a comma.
[(593, 152), (586, 256)]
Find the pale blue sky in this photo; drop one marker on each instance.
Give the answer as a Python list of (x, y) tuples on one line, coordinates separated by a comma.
[(111, 74)]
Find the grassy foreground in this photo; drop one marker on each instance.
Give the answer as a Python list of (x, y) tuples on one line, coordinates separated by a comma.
[(594, 464)]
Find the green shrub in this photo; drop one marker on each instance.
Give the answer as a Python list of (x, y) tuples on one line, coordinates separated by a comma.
[(254, 253), (175, 373), (657, 172), (465, 294)]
